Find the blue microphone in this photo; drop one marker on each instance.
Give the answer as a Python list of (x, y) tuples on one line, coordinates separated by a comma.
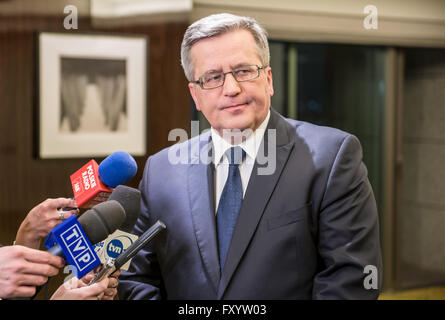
[(118, 168)]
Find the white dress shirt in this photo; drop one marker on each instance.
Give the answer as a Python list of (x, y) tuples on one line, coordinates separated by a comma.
[(221, 162)]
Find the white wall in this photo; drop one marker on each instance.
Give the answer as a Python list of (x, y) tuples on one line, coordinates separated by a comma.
[(400, 22), (400, 9)]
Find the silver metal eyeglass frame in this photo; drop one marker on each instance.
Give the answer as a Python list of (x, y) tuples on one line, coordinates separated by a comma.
[(223, 74)]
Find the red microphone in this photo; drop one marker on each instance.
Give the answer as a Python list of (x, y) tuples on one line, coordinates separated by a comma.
[(93, 183)]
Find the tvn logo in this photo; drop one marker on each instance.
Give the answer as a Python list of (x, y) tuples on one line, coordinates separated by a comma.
[(77, 246), (115, 248)]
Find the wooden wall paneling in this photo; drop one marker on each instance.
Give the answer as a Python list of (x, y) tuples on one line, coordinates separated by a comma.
[(26, 180)]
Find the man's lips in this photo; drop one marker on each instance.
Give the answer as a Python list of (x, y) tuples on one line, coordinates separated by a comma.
[(234, 106)]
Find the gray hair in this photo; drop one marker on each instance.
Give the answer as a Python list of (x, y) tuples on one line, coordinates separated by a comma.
[(217, 24)]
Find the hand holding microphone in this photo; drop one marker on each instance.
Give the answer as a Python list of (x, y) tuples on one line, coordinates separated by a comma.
[(23, 269), (116, 169), (41, 219), (72, 239), (78, 289), (129, 198)]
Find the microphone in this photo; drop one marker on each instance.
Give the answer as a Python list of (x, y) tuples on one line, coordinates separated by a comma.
[(93, 183), (130, 199), (117, 168), (113, 265), (121, 239), (72, 238)]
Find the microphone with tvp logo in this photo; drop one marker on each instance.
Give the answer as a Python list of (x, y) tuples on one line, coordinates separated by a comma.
[(93, 183), (72, 238)]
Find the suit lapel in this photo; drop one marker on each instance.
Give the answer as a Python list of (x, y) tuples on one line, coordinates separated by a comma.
[(201, 193), (257, 195)]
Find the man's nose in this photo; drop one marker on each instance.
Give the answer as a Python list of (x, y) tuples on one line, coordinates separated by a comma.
[(231, 86)]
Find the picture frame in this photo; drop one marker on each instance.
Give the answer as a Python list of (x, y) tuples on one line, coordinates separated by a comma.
[(91, 94)]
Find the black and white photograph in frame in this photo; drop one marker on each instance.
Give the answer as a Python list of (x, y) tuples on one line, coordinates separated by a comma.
[(92, 94)]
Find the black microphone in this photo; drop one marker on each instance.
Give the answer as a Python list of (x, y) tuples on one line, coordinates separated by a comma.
[(130, 199), (119, 241), (97, 223)]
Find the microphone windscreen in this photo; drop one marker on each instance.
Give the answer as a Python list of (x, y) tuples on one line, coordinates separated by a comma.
[(102, 220), (118, 168), (130, 199)]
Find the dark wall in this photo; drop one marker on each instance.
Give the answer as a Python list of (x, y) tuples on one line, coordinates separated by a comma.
[(25, 180)]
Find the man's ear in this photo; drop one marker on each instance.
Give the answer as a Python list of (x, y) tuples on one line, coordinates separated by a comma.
[(269, 80), (192, 88)]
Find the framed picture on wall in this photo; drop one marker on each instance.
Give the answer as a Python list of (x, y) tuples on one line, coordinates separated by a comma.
[(92, 94)]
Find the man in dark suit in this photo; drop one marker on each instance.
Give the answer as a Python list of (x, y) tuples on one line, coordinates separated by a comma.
[(290, 215)]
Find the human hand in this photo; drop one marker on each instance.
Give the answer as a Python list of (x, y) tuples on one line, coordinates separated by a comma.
[(113, 282), (23, 269), (111, 291), (41, 220), (78, 289)]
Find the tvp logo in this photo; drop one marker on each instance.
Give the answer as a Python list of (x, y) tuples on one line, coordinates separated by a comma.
[(75, 246)]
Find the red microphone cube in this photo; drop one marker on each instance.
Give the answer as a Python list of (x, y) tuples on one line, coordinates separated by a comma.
[(88, 189)]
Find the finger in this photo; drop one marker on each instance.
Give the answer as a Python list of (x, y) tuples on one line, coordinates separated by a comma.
[(22, 292), (61, 202), (43, 258), (104, 283), (40, 269), (67, 214), (113, 282), (59, 216), (109, 294), (28, 280), (96, 290), (88, 277), (39, 257)]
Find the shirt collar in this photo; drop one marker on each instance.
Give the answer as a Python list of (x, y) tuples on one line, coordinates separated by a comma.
[(250, 145)]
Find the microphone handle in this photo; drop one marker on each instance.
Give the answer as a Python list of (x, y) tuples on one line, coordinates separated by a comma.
[(139, 244), (114, 265)]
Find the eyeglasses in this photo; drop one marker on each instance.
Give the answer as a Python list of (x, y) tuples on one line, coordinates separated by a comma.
[(214, 80)]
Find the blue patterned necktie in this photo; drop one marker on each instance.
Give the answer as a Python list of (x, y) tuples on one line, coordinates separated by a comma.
[(229, 203)]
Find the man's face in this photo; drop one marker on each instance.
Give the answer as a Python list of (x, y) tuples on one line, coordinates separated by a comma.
[(235, 105)]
